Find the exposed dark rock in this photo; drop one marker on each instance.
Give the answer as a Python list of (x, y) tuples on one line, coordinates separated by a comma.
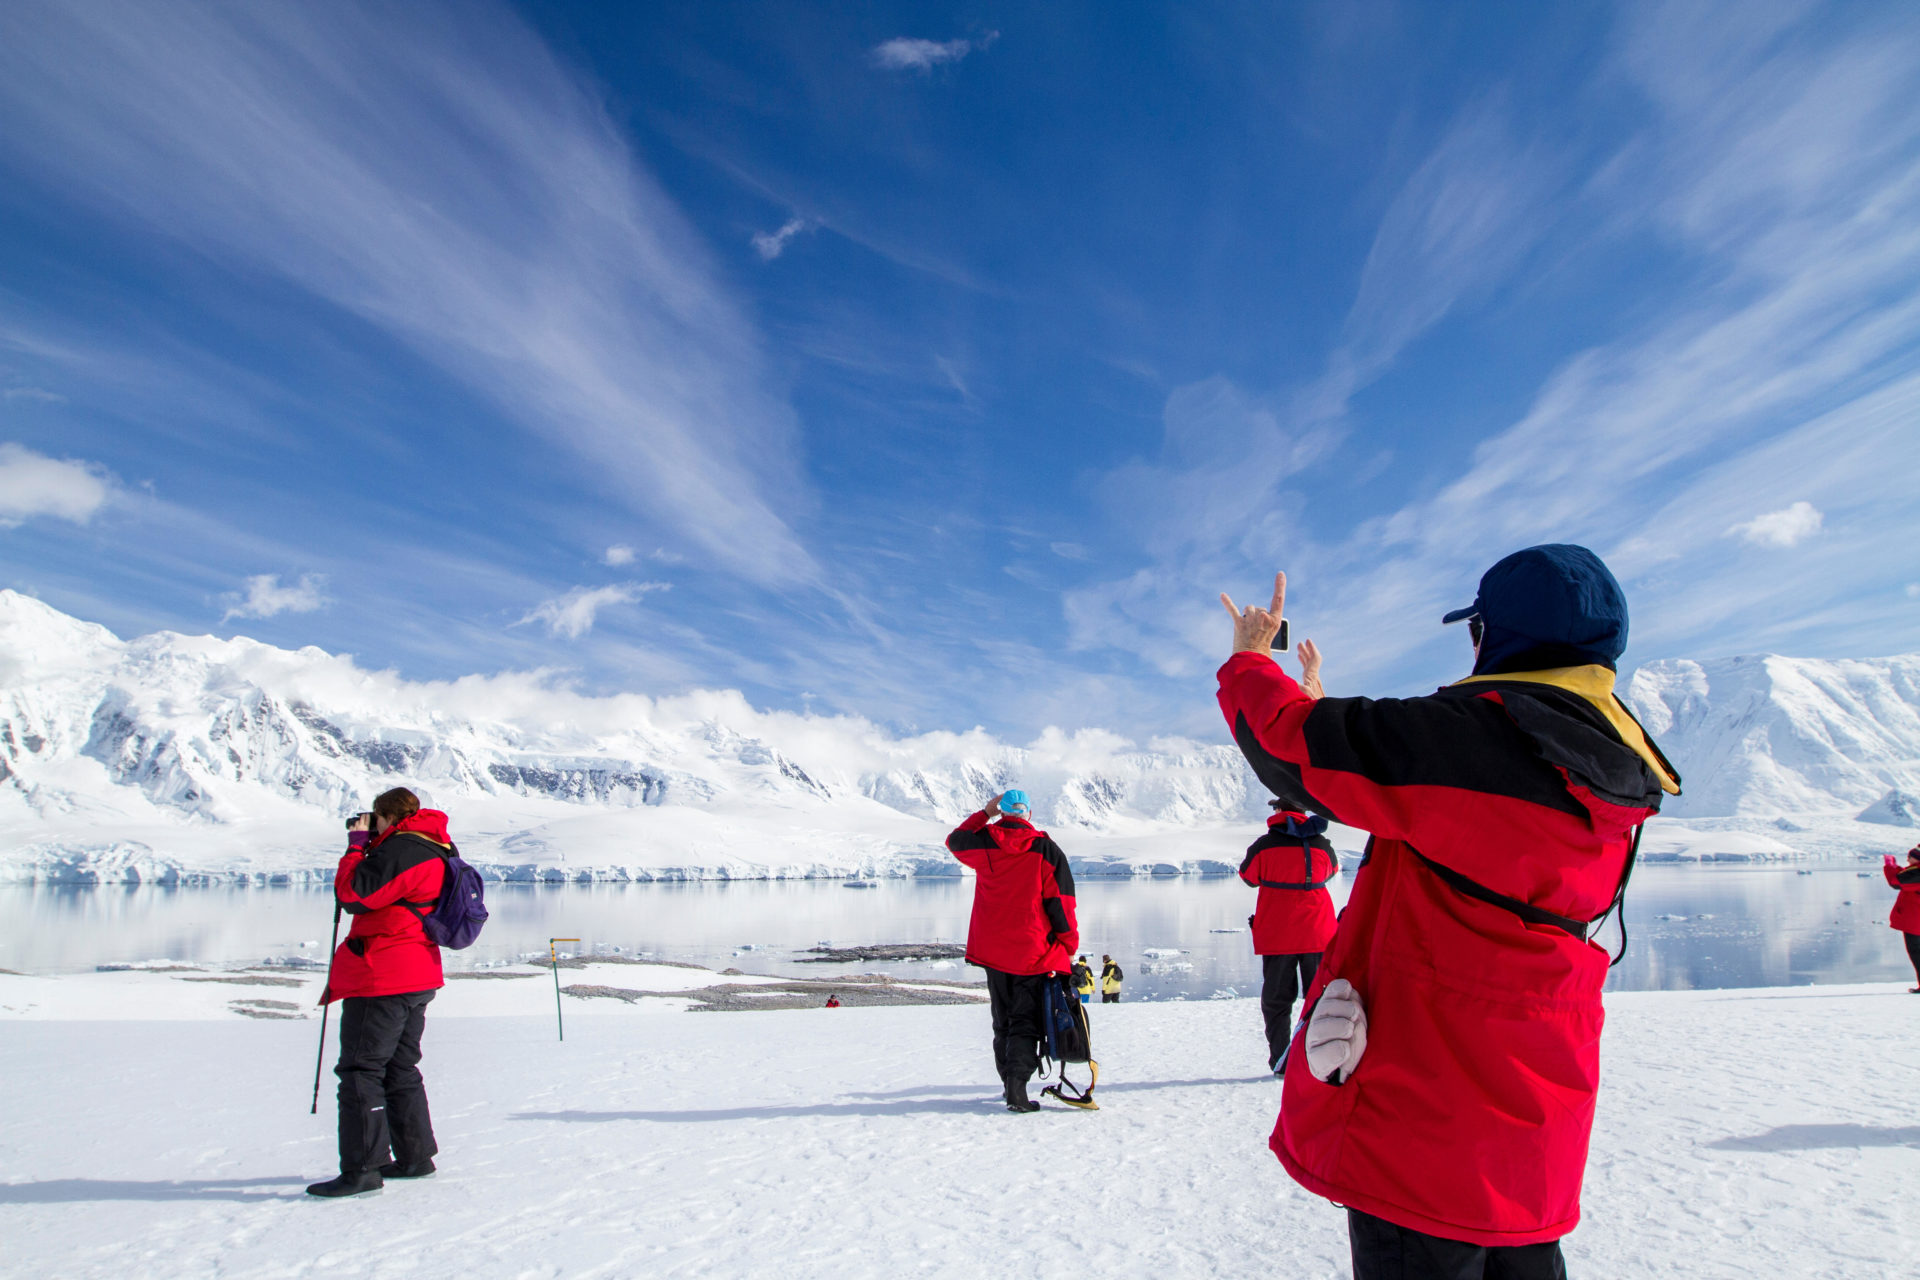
[(893, 951)]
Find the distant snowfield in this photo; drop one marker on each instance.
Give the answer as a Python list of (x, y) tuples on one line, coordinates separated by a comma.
[(179, 759), (1740, 1134)]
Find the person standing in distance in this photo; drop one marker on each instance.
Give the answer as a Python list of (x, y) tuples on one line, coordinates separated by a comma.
[(1443, 1090), (1083, 980), (1111, 976), (1906, 907), (384, 975), (1292, 918), (1024, 927)]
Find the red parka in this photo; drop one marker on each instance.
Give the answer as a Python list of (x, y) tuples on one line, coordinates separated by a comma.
[(1497, 806), (1293, 916), (1906, 907), (386, 952), (1024, 916)]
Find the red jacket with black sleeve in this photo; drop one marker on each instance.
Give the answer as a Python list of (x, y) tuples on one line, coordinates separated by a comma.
[(386, 952), (1024, 916), (1906, 907), (1503, 812), (1293, 916)]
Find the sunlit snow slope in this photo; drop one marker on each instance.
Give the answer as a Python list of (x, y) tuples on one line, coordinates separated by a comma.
[(169, 757)]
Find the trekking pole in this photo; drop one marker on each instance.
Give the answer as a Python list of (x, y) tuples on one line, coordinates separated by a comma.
[(320, 1054), (553, 956)]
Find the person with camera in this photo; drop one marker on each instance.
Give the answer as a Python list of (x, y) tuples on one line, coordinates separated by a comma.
[(384, 975), (1024, 928), (1906, 907), (1443, 1089)]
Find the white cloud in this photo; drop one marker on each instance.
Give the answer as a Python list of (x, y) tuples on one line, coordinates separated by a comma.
[(572, 615), (771, 244), (618, 554), (40, 394), (266, 597), (32, 484), (1787, 527), (435, 171), (902, 53), (1068, 550)]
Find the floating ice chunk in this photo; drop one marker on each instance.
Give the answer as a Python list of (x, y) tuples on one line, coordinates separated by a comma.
[(1160, 952)]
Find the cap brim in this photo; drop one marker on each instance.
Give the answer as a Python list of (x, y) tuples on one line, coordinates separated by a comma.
[(1461, 615)]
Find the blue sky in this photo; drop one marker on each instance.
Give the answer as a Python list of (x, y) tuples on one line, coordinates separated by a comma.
[(941, 363)]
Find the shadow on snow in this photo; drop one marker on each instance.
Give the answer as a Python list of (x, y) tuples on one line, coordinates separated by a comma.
[(81, 1190), (1821, 1137)]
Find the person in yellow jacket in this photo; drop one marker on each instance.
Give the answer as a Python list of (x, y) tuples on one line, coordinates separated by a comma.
[(1083, 980), (1110, 979)]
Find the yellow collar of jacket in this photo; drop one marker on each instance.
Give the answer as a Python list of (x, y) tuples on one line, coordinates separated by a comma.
[(1595, 683)]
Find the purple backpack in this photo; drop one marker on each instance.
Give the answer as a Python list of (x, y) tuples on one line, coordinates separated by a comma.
[(457, 917)]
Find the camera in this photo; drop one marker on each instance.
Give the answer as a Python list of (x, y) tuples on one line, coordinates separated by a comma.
[(358, 818)]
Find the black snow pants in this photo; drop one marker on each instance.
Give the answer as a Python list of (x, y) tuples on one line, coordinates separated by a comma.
[(383, 1100), (1913, 952), (1015, 1002), (1384, 1251), (1283, 979)]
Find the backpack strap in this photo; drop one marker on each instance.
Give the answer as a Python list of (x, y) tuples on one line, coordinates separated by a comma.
[(446, 855), (1279, 840)]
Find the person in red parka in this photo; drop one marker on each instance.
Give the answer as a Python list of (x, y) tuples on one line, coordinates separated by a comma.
[(1443, 1088), (1906, 907), (1292, 918), (1024, 927), (384, 975)]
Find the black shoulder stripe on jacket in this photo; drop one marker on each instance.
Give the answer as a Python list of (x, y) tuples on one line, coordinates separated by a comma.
[(1062, 872), (1281, 777), (1278, 839), (1910, 876), (968, 841), (1468, 743), (396, 855)]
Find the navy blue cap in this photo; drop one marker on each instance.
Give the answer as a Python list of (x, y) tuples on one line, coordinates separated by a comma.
[(1556, 605)]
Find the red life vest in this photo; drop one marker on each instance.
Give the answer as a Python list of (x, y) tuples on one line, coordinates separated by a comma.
[(1294, 913), (1497, 807)]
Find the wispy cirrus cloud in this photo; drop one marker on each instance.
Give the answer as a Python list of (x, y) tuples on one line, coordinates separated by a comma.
[(32, 484), (771, 244), (573, 614), (905, 53), (440, 175), (1779, 164), (266, 597)]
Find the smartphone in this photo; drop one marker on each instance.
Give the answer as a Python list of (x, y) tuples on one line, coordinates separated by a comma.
[(1280, 641)]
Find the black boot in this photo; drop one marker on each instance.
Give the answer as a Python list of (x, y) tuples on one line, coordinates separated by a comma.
[(397, 1170), (1017, 1099), (347, 1184)]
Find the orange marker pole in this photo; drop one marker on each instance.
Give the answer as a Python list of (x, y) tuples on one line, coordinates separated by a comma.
[(553, 956)]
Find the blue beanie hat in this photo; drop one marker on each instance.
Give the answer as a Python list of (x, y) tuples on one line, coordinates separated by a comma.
[(1555, 605)]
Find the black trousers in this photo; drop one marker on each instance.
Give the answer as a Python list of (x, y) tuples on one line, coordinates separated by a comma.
[(383, 1100), (1283, 979), (1913, 952), (1109, 997), (1014, 999), (1384, 1251)]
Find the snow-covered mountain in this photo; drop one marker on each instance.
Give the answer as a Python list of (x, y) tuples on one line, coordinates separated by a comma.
[(175, 757), (1797, 737), (170, 756)]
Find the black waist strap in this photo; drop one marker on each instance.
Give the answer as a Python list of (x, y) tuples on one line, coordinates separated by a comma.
[(1311, 884), (1525, 910)]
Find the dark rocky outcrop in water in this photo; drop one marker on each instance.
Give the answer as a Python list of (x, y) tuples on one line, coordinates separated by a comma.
[(893, 951)]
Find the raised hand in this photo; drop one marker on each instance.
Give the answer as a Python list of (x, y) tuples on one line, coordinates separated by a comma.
[(1310, 669), (1253, 627), (993, 806)]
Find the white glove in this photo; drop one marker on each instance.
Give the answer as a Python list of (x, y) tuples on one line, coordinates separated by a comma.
[(1337, 1033)]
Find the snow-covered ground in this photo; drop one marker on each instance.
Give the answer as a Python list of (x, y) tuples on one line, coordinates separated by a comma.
[(151, 1132)]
